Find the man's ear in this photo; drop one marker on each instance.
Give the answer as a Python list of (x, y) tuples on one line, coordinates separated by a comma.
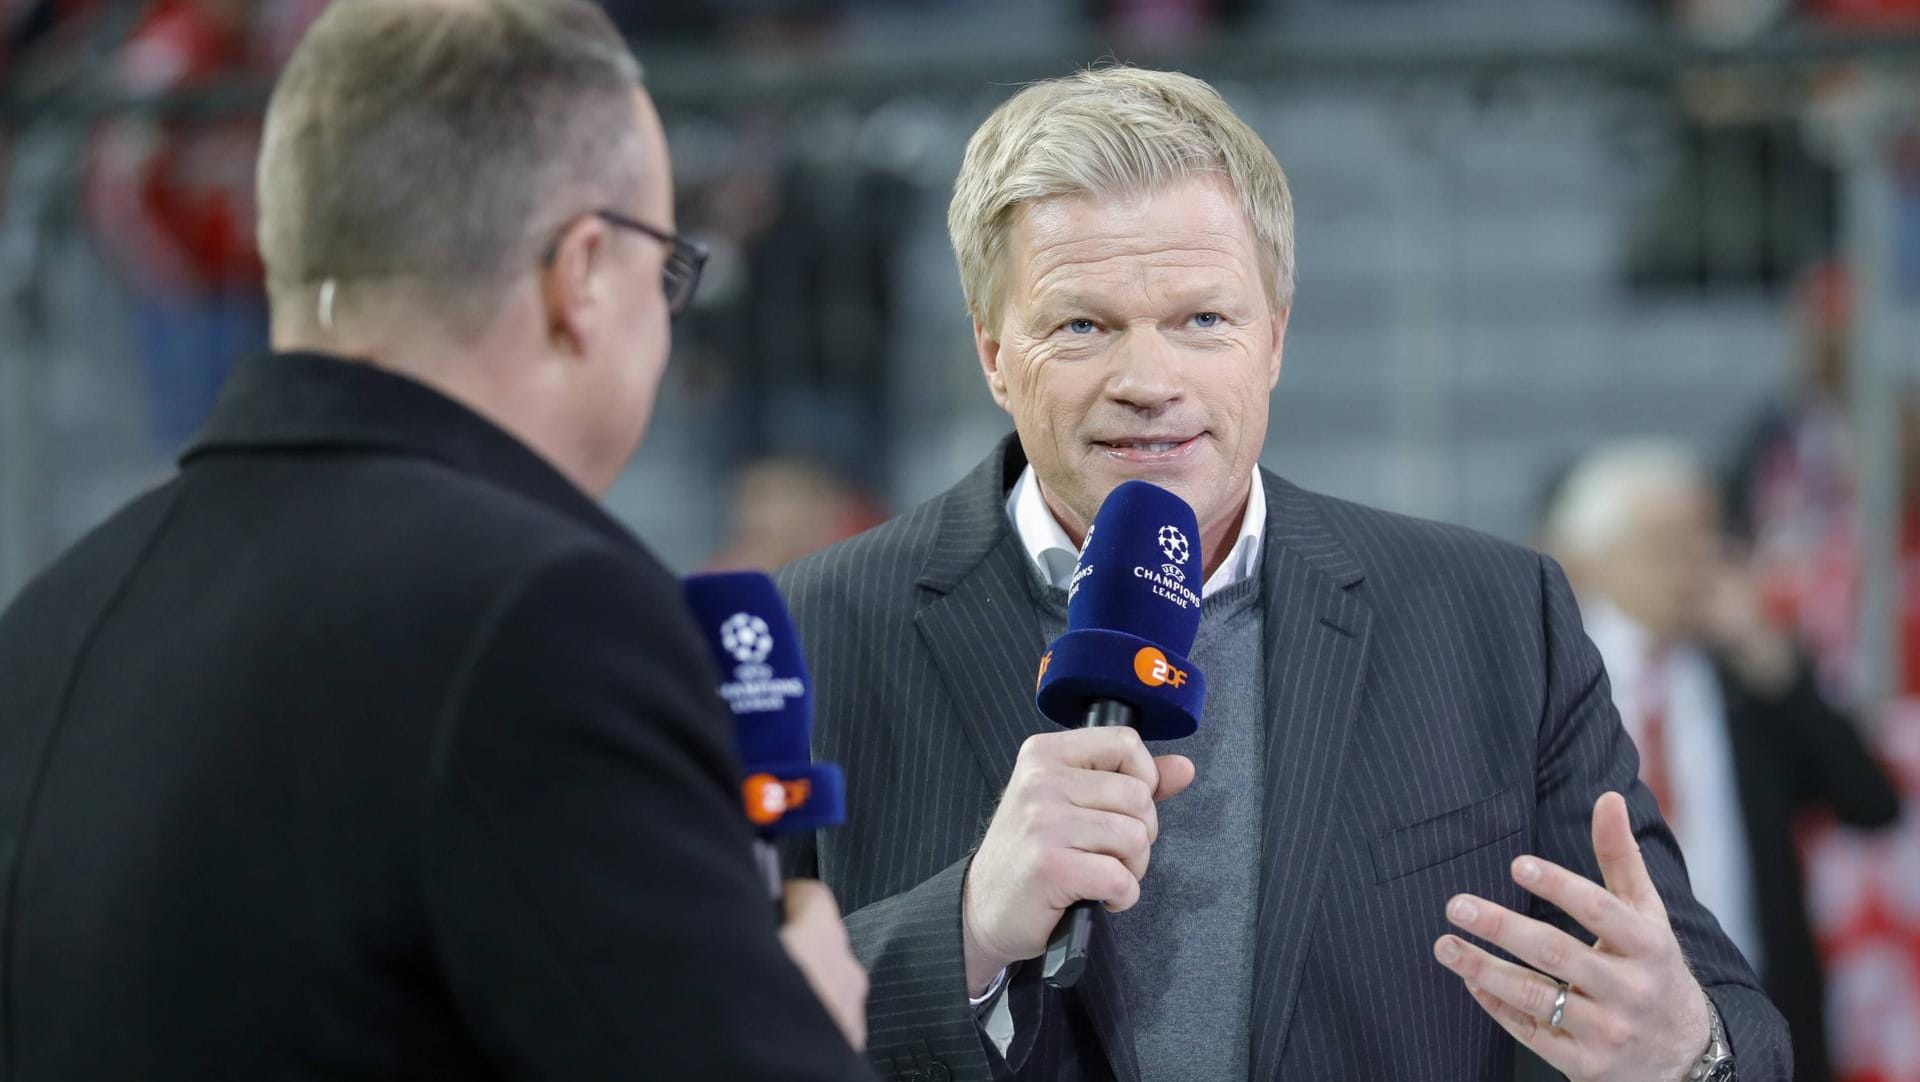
[(570, 285), (989, 350)]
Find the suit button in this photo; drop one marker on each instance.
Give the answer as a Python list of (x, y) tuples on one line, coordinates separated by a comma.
[(939, 1073)]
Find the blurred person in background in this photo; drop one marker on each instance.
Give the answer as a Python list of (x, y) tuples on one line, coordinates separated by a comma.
[(1736, 740), (1792, 495), (41, 43), (786, 508), (171, 202), (27, 26), (1402, 755), (370, 746), (1793, 475)]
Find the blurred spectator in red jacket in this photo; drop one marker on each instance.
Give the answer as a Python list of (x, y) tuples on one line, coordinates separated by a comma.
[(171, 198), (785, 508)]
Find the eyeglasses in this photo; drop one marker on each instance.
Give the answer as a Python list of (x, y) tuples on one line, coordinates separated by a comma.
[(685, 259)]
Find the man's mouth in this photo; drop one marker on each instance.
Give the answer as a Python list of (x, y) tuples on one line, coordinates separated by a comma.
[(1149, 449)]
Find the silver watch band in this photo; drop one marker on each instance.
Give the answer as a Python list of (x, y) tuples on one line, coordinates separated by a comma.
[(1716, 1062)]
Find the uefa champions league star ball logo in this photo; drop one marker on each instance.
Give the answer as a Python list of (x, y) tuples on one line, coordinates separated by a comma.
[(1174, 544), (746, 637)]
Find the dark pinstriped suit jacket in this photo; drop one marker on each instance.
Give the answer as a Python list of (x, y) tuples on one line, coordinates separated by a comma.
[(1433, 711)]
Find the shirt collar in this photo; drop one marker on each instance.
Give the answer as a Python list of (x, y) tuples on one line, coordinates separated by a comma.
[(1053, 553)]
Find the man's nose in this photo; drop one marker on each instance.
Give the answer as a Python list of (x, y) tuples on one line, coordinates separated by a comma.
[(1146, 373)]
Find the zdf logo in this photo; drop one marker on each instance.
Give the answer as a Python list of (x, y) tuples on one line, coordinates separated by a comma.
[(1154, 670), (768, 798)]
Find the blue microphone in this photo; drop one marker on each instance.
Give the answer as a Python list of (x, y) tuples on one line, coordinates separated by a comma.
[(1133, 610), (764, 681)]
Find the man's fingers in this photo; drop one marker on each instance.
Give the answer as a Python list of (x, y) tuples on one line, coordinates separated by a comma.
[(1624, 929), (1482, 973), (1117, 749), (809, 899), (1530, 993), (1176, 773), (1552, 1045), (1098, 790), (1537, 943), (1618, 852), (1122, 837), (1092, 876)]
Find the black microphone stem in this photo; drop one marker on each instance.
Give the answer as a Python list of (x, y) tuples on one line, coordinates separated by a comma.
[(1067, 947), (766, 857)]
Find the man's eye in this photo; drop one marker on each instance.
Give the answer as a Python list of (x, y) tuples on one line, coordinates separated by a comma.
[(1207, 320), (1079, 326)]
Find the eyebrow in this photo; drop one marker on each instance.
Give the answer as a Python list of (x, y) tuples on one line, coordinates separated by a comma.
[(1055, 304), (1205, 298)]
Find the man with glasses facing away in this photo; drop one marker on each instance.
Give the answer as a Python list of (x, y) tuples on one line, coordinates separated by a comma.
[(370, 746)]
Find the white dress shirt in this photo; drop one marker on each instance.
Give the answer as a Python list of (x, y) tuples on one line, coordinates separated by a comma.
[(1054, 553), (1698, 753)]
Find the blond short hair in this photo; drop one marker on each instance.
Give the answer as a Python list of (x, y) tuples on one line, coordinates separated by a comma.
[(433, 142), (1107, 132)]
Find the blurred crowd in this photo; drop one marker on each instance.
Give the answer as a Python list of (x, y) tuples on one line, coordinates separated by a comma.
[(1727, 612)]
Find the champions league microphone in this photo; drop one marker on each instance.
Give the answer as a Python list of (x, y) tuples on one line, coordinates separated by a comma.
[(1131, 618), (764, 681)]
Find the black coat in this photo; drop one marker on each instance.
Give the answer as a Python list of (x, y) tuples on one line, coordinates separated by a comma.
[(1793, 753), (369, 747)]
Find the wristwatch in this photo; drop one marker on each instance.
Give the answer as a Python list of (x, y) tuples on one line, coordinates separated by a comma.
[(1716, 1063)]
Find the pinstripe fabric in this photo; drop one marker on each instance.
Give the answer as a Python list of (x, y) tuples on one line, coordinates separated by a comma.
[(1433, 711)]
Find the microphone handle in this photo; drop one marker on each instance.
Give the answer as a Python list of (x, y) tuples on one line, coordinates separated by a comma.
[(767, 858), (1067, 948)]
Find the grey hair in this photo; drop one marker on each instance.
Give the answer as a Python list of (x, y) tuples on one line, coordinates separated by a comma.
[(1594, 509), (1110, 131), (427, 143)]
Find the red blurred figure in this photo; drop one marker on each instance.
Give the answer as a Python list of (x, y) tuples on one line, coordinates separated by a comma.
[(785, 508), (171, 200)]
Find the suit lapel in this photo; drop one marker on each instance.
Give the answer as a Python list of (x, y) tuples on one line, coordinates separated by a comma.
[(985, 639), (1317, 636), (980, 624), (986, 642)]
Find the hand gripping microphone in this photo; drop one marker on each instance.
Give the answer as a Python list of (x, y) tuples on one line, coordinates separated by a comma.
[(1131, 618), (764, 681)]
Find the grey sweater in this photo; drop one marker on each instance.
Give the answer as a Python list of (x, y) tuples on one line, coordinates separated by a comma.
[(1186, 951)]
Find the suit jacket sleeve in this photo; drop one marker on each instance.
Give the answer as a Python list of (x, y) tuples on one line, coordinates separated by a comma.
[(919, 1014), (586, 866), (1584, 752)]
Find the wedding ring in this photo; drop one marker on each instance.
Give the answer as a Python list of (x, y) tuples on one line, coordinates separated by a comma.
[(1559, 1006)]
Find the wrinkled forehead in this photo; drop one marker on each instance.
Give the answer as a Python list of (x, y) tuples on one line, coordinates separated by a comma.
[(1192, 229)]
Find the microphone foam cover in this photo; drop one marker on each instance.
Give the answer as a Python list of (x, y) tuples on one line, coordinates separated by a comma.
[(1132, 617), (1139, 569), (764, 680)]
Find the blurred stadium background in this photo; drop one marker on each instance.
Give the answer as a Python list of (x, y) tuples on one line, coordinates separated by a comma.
[(1523, 228)]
